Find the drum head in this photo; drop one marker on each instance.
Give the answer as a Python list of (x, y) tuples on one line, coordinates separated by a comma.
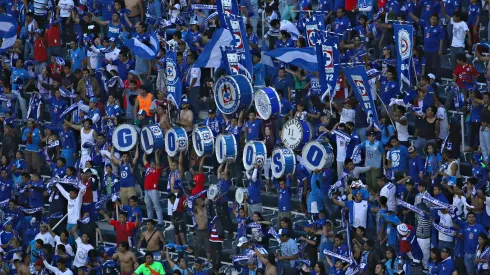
[(213, 191), (240, 195)]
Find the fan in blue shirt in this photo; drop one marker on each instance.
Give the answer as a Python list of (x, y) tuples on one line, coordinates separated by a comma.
[(433, 33), (37, 189), (214, 122), (388, 87), (398, 155), (429, 7), (416, 165), (470, 232), (253, 39), (474, 11), (58, 169), (6, 186), (392, 6), (341, 23), (124, 65), (253, 127), (285, 41)]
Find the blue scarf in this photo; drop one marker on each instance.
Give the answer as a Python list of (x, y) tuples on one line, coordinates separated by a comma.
[(30, 210), (34, 104), (338, 256), (412, 208), (69, 110), (444, 230), (89, 90)]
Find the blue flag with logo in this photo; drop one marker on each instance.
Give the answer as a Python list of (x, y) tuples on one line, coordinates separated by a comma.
[(237, 28), (305, 58), (404, 42), (174, 84), (359, 82), (314, 23), (226, 7), (146, 51), (328, 56), (230, 59), (8, 32)]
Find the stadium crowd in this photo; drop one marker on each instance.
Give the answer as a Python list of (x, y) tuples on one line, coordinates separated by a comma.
[(410, 196)]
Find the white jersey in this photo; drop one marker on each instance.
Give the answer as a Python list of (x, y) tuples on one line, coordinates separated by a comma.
[(402, 130), (389, 191)]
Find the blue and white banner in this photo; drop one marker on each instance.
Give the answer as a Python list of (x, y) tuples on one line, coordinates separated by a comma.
[(69, 110), (404, 42), (412, 208), (211, 55), (327, 53), (337, 256), (444, 230), (237, 28), (174, 84), (8, 32), (304, 58), (230, 59), (359, 82), (203, 7), (313, 24), (34, 110), (226, 7), (144, 51)]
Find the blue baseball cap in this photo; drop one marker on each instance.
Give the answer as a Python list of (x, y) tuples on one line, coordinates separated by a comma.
[(94, 100)]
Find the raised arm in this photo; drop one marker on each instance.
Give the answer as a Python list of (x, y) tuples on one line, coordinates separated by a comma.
[(181, 164), (136, 155), (114, 160), (73, 126), (201, 164), (63, 191)]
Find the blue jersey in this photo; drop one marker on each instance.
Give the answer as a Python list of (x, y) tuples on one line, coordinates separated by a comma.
[(126, 176), (429, 7), (106, 9), (398, 157), (56, 107), (470, 234), (254, 188), (123, 68), (284, 204), (389, 90), (215, 124), (193, 38), (236, 131), (114, 31), (415, 166), (57, 171), (6, 186), (36, 198), (433, 35), (447, 266), (341, 25), (68, 140), (433, 268), (19, 164), (253, 129), (474, 10)]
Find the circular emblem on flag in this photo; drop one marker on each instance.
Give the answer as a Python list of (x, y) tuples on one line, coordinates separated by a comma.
[(171, 72), (232, 92), (404, 44), (238, 40)]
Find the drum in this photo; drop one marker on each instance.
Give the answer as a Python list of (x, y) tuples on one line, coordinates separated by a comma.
[(176, 141), (254, 153), (213, 192), (317, 155), (125, 137), (151, 138), (267, 102), (283, 162), (226, 148), (240, 194), (233, 93), (296, 133), (203, 140)]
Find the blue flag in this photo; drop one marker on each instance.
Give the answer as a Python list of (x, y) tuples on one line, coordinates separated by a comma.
[(226, 7), (305, 58), (237, 28), (211, 55), (174, 84), (8, 32), (144, 51), (404, 42), (230, 59), (359, 82), (327, 53)]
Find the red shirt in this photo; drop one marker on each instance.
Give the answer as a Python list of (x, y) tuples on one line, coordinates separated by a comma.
[(465, 74), (199, 179), (151, 177), (350, 5), (88, 197), (53, 35), (123, 230), (340, 93), (40, 50)]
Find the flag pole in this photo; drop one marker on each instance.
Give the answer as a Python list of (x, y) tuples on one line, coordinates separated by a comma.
[(62, 219)]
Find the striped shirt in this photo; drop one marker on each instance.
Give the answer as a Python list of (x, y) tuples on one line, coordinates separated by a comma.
[(214, 237), (424, 227), (40, 7)]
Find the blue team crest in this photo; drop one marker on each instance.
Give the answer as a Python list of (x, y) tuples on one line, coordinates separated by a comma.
[(233, 92), (171, 72)]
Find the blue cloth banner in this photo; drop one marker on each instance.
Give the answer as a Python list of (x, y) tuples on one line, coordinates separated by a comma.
[(328, 57), (237, 28), (211, 55), (304, 58), (34, 110), (174, 84), (230, 59), (224, 7), (142, 50), (359, 82), (404, 42), (8, 32)]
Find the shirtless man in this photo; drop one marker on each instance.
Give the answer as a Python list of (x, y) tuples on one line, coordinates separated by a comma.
[(201, 238), (23, 268), (137, 12), (153, 239), (127, 259), (186, 116), (270, 262)]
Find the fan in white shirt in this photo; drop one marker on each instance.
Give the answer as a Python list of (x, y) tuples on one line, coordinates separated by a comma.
[(60, 270), (44, 235), (388, 190)]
